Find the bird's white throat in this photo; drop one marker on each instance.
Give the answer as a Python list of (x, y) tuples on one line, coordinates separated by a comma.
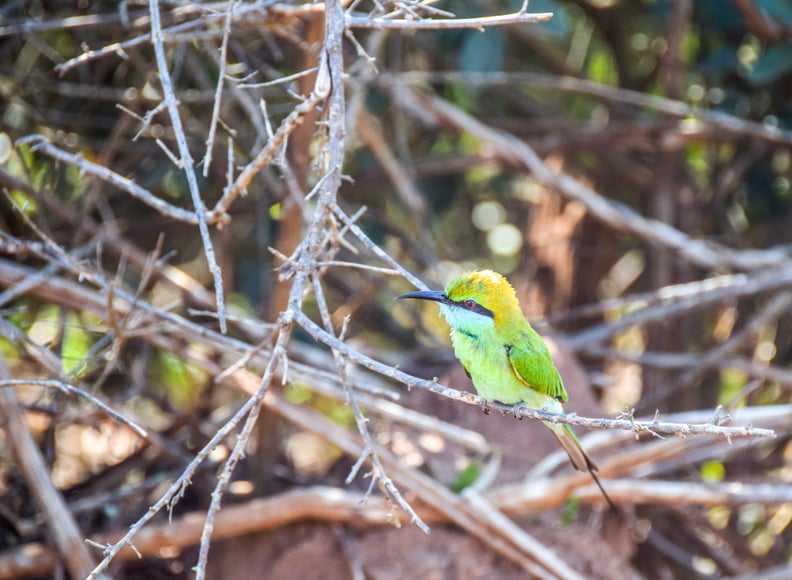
[(464, 320)]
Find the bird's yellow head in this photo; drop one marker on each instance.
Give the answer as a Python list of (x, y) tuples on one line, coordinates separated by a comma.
[(475, 298), (487, 289)]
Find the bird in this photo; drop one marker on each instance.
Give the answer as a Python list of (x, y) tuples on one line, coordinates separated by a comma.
[(507, 360)]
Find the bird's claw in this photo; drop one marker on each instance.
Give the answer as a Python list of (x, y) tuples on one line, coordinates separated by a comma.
[(485, 407), (516, 411)]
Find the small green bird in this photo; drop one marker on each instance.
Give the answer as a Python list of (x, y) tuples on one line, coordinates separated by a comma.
[(503, 355)]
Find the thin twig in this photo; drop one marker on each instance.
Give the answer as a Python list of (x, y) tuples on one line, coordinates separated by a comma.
[(186, 159), (265, 156), (621, 217), (221, 76), (370, 449), (480, 23), (71, 389), (254, 407), (40, 143)]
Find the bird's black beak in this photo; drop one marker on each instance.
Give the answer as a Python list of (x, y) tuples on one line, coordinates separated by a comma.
[(434, 296)]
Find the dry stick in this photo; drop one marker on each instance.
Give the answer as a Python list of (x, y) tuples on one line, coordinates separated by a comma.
[(207, 14), (247, 103), (27, 26), (772, 279), (661, 456), (71, 389), (619, 216), (723, 121), (333, 505), (652, 427), (60, 523), (219, 90), (40, 143), (186, 160), (715, 284), (524, 499), (370, 449), (177, 487), (480, 23), (266, 155), (777, 306)]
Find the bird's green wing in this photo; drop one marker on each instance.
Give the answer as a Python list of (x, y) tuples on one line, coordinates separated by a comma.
[(533, 365)]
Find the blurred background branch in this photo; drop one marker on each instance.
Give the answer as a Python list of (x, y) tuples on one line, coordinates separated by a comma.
[(229, 323)]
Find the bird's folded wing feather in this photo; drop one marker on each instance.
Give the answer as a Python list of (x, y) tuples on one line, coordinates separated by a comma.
[(536, 369)]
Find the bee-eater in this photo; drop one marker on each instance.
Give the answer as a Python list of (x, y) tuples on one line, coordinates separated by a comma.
[(503, 355)]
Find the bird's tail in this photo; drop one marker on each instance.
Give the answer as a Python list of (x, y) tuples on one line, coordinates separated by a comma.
[(578, 456)]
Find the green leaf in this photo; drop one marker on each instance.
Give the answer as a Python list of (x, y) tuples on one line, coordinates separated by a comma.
[(76, 343), (570, 512), (713, 471), (772, 64), (467, 476)]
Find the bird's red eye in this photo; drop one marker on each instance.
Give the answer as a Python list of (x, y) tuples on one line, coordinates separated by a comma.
[(470, 304)]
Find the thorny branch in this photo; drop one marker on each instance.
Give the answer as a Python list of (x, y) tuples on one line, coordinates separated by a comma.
[(654, 427), (327, 229), (186, 160)]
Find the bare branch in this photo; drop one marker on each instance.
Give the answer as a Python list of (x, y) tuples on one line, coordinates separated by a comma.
[(221, 76), (265, 156), (480, 23), (61, 524), (71, 389), (39, 143), (617, 215), (695, 115), (186, 160)]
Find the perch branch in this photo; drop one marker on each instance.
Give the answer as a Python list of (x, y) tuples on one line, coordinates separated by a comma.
[(655, 427)]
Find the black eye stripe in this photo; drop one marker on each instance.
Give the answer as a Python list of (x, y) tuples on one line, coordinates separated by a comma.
[(474, 306)]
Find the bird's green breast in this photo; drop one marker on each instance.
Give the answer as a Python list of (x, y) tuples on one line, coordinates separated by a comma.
[(483, 353)]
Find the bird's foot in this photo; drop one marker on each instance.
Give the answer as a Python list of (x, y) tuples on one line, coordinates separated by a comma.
[(485, 407), (516, 411)]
